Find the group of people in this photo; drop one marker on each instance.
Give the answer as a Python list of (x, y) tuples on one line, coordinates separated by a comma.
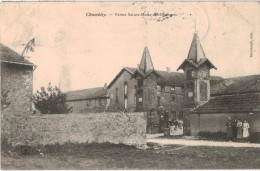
[(237, 129)]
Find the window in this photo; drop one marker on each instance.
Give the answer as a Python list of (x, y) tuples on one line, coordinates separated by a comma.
[(173, 98), (125, 103), (108, 102), (100, 102), (87, 104), (140, 96), (134, 99), (125, 88), (159, 101), (162, 88), (172, 88), (190, 94), (189, 74), (139, 82), (116, 95)]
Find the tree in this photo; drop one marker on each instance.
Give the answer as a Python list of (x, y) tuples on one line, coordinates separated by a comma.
[(51, 101)]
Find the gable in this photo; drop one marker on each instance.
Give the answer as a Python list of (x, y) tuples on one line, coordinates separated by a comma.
[(127, 70)]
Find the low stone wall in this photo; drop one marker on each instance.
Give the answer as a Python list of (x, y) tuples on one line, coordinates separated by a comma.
[(126, 128)]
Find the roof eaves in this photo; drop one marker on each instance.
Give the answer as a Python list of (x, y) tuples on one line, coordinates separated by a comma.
[(19, 63)]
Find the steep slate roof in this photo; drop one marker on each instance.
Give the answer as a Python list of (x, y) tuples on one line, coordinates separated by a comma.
[(196, 56), (196, 52), (245, 84), (10, 56), (238, 94), (167, 78), (146, 63), (248, 102), (85, 94)]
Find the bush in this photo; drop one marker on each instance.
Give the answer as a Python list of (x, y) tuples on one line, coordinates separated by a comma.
[(51, 101)]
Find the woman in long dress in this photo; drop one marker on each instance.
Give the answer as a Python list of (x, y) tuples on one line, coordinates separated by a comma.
[(245, 129), (229, 128), (239, 129)]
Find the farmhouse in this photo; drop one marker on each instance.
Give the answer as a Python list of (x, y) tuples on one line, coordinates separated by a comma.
[(202, 101), (138, 89), (16, 92), (16, 81)]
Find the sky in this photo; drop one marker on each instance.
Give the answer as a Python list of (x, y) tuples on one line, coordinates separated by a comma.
[(75, 51)]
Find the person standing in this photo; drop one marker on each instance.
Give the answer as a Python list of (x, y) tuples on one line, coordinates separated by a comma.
[(246, 129), (229, 128), (234, 127), (239, 129)]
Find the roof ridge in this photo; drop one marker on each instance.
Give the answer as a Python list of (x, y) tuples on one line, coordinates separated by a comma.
[(85, 89), (243, 76)]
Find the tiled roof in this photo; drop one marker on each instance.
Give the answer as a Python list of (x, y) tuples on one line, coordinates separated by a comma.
[(245, 84), (248, 102), (167, 78), (91, 93), (171, 78), (10, 56)]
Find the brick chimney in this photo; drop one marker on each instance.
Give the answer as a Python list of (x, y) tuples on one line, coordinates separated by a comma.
[(168, 69), (105, 86)]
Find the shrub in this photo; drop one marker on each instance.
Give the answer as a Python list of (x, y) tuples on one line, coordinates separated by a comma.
[(51, 101)]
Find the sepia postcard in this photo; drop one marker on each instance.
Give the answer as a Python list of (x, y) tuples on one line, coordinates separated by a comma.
[(130, 85)]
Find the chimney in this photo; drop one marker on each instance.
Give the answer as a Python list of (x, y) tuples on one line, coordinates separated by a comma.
[(105, 86), (138, 65), (168, 69)]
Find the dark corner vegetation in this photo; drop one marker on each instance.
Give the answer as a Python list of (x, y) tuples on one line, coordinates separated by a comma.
[(51, 100), (66, 148)]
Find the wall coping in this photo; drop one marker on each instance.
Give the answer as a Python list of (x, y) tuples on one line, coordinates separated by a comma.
[(82, 114)]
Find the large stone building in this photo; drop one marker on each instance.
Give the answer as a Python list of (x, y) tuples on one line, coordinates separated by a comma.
[(139, 89), (16, 90), (203, 101)]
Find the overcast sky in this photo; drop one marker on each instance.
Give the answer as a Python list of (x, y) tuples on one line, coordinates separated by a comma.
[(91, 50)]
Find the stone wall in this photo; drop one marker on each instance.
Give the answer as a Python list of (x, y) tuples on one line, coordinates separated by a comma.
[(217, 122), (17, 80), (126, 128)]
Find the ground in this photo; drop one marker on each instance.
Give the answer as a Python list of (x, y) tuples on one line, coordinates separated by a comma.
[(108, 156)]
